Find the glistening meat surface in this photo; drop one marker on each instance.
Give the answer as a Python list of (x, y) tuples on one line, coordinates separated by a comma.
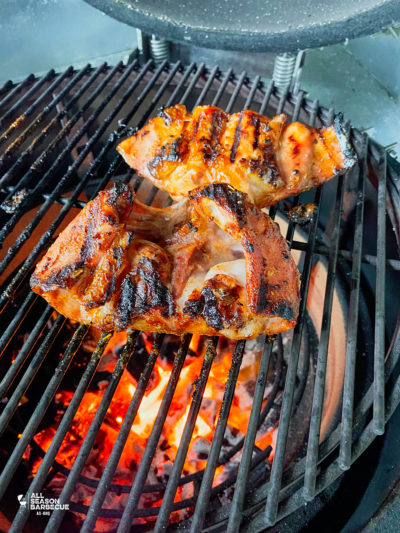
[(212, 264), (265, 158)]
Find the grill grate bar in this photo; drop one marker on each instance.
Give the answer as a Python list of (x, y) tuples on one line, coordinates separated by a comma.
[(13, 90), (193, 82), (212, 462), (319, 384), (222, 87), (17, 124), (16, 321), (38, 164), (159, 93), (33, 367), (25, 204), (7, 176), (46, 236), (197, 396), (241, 80), (368, 259), (48, 108), (207, 85), (152, 442), (41, 81), (112, 463), (65, 424), (23, 354), (351, 344), (282, 101), (36, 418), (288, 394), (235, 515), (117, 161), (181, 83), (254, 86), (84, 451), (266, 98), (379, 347)]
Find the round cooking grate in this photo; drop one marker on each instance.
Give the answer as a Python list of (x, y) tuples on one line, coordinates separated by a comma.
[(59, 134)]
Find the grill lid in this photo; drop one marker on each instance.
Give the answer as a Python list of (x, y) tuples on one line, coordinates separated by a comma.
[(254, 26)]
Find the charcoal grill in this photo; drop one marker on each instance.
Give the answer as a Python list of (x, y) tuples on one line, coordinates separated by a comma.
[(58, 137)]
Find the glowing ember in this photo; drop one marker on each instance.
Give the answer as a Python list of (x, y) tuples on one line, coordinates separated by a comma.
[(141, 428)]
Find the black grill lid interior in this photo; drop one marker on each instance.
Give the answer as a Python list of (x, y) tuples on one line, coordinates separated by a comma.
[(254, 25)]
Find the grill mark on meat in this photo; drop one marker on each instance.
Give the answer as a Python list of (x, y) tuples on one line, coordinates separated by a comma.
[(173, 151), (268, 168), (195, 129), (227, 197), (141, 291), (118, 193), (59, 278), (255, 121), (210, 148), (205, 306), (236, 138), (217, 304)]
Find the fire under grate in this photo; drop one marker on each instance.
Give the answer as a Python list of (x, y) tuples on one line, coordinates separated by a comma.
[(58, 137)]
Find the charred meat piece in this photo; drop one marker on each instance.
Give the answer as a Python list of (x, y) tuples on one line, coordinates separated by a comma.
[(212, 264), (301, 214), (264, 158)]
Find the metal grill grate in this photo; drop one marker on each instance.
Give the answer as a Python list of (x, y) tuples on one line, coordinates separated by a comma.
[(58, 134)]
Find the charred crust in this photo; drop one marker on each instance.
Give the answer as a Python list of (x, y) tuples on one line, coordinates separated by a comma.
[(248, 245), (236, 138), (210, 145), (284, 310), (173, 152), (117, 253), (264, 166), (126, 302), (118, 195), (255, 122), (192, 227), (141, 291), (226, 197), (343, 138), (217, 304), (205, 306), (164, 115), (61, 279)]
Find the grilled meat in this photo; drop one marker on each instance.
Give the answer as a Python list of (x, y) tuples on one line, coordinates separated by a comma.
[(211, 264), (264, 158)]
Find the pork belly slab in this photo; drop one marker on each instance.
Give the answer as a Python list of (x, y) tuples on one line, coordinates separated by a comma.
[(211, 264), (265, 158)]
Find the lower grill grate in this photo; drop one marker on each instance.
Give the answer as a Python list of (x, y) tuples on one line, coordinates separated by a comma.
[(58, 135)]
